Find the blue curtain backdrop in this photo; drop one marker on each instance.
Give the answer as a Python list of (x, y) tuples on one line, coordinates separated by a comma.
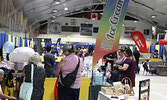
[(21, 41), (3, 39)]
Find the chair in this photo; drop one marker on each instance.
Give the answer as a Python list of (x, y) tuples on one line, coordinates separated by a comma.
[(147, 69)]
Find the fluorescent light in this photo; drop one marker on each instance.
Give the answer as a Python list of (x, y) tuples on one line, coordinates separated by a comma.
[(57, 2), (54, 11), (135, 21), (53, 16), (153, 16), (66, 8), (52, 21)]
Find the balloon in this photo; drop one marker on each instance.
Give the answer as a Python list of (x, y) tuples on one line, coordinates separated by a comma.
[(43, 45), (8, 47)]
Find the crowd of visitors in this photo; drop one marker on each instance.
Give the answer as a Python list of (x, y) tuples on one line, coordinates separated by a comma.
[(120, 64)]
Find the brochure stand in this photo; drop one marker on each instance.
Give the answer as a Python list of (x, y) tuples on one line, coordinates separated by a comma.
[(144, 87)]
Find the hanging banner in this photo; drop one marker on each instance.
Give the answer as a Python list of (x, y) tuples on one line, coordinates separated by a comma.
[(140, 41), (110, 28), (148, 43)]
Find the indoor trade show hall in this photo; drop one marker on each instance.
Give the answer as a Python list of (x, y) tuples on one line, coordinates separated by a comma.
[(83, 50)]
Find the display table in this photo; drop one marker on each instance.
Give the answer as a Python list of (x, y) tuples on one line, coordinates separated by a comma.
[(155, 59), (50, 83), (161, 70), (103, 96)]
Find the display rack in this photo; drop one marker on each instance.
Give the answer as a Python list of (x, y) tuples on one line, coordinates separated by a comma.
[(146, 85)]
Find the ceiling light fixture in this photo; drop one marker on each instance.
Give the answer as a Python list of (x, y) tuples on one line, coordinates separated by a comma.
[(57, 2), (53, 16), (66, 8), (153, 16), (135, 21), (54, 11), (52, 21)]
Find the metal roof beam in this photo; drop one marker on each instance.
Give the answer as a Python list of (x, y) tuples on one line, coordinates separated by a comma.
[(51, 7), (60, 13)]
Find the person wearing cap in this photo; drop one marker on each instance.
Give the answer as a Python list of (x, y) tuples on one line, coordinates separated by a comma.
[(3, 96), (66, 66), (49, 62)]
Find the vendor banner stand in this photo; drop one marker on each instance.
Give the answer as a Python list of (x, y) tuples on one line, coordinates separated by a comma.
[(110, 28)]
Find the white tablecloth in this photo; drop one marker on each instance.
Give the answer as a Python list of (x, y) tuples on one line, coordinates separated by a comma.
[(102, 96)]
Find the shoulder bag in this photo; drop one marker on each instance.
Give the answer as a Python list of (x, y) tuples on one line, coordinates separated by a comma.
[(26, 88), (70, 78)]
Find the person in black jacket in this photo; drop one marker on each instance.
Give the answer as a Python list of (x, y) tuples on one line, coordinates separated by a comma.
[(137, 55), (49, 62)]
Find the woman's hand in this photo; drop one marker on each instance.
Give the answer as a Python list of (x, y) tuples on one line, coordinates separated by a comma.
[(123, 68), (119, 67), (13, 98)]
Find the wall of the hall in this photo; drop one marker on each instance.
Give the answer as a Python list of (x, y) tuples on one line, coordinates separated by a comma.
[(12, 21), (76, 37)]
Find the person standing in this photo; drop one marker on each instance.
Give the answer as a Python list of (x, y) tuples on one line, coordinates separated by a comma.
[(121, 57), (66, 66), (110, 58), (137, 55), (128, 68), (49, 62), (38, 78)]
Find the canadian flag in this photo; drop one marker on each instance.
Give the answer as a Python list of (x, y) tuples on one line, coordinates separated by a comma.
[(94, 16)]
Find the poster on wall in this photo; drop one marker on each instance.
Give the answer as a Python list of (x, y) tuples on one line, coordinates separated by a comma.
[(55, 28), (87, 29), (73, 22), (129, 31), (110, 28)]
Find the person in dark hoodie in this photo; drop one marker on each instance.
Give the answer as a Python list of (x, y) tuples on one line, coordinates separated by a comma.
[(137, 55)]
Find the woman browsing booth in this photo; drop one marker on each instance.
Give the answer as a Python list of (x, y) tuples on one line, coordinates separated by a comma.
[(38, 76), (128, 68), (121, 57), (71, 64)]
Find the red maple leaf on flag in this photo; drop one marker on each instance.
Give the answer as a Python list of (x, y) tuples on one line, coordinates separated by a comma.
[(94, 16)]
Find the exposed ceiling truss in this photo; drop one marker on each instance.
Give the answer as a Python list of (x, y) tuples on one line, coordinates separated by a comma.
[(39, 10)]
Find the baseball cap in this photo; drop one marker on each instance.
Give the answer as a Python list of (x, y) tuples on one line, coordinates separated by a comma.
[(67, 47)]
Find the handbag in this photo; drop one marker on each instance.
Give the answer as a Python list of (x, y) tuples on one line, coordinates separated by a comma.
[(70, 78), (26, 88)]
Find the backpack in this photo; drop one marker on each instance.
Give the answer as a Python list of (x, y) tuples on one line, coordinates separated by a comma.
[(70, 78)]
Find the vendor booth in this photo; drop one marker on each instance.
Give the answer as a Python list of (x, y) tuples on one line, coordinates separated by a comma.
[(50, 83)]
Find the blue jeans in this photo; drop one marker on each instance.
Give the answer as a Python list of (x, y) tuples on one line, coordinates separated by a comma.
[(68, 93)]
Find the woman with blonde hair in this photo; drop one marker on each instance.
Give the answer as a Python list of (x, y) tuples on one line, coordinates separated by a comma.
[(38, 76)]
